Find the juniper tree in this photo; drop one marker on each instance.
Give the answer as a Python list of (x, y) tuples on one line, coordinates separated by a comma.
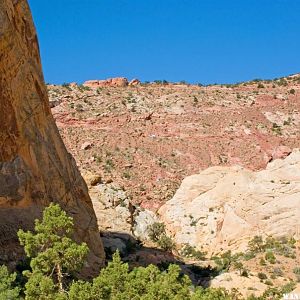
[(53, 252), (7, 288)]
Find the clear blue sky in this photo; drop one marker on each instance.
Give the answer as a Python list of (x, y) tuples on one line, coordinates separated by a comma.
[(204, 41)]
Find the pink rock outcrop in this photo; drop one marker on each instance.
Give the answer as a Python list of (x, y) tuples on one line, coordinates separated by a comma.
[(117, 82), (134, 82), (281, 152)]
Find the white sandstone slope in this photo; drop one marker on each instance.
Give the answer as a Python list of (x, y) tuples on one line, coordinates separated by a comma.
[(223, 207)]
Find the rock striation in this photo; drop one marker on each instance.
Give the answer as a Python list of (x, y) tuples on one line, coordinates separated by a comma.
[(35, 167), (222, 208)]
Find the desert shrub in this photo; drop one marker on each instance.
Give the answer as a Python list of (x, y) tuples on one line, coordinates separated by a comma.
[(256, 244), (156, 230), (115, 281), (238, 266), (224, 261), (269, 282), (276, 293), (166, 243), (211, 294), (270, 257), (262, 262), (245, 273), (83, 88), (262, 276), (282, 82), (296, 270), (282, 246), (192, 252), (66, 86), (276, 129), (249, 255), (272, 243), (158, 81), (292, 91), (157, 234)]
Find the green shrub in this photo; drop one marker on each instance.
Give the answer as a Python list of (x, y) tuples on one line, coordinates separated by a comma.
[(224, 261), (7, 285), (262, 276), (262, 262), (166, 243), (239, 266), (256, 244), (157, 234), (156, 230), (269, 282), (249, 255), (296, 270), (270, 257), (189, 251), (244, 273)]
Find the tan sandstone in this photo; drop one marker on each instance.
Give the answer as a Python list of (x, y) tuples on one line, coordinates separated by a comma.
[(35, 167), (223, 207)]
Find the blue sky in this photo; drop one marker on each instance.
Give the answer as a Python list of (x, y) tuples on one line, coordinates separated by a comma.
[(203, 41)]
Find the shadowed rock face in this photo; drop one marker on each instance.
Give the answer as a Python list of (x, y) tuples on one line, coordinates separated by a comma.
[(35, 168)]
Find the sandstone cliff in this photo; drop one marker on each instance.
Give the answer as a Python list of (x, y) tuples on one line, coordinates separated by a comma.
[(35, 167), (223, 207)]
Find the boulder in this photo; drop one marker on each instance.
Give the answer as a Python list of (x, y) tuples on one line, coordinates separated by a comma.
[(134, 82), (113, 208), (86, 146), (142, 221)]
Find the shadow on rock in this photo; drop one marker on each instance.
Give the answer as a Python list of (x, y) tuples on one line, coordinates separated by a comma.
[(136, 254)]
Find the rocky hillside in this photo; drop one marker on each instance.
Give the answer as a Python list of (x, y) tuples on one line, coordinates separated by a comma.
[(35, 167), (135, 143), (148, 137)]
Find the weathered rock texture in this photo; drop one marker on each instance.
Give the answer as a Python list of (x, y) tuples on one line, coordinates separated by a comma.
[(116, 82), (35, 168), (223, 207)]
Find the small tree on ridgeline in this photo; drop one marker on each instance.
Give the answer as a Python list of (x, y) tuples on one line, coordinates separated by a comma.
[(54, 255)]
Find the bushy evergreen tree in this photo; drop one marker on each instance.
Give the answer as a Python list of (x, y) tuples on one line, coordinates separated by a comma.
[(7, 288), (54, 254)]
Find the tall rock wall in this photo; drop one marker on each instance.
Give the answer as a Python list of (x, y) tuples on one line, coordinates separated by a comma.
[(35, 167)]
